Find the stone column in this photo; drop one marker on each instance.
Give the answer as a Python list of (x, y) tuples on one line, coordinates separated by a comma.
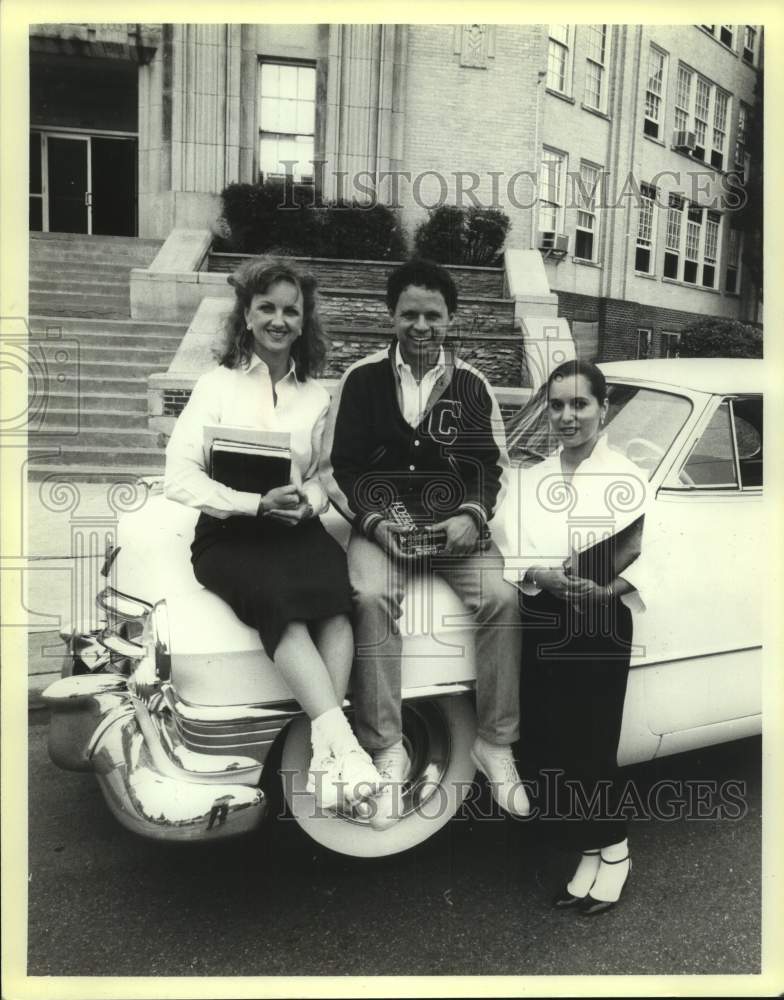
[(189, 104), (365, 95)]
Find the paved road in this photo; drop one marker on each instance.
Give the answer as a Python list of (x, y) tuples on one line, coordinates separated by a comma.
[(473, 900)]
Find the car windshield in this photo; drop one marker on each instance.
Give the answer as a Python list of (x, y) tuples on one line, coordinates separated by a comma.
[(641, 423)]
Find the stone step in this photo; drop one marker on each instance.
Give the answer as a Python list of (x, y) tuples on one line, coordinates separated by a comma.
[(107, 307), (76, 382), (88, 284), (74, 367), (108, 437), (89, 351), (77, 454), (84, 417), (134, 403), (106, 327), (55, 267), (84, 472), (109, 341), (68, 245)]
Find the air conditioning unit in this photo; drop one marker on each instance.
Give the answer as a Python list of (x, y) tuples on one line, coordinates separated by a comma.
[(684, 140), (558, 242)]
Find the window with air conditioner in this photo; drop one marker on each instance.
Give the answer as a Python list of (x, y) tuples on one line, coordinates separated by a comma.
[(643, 258), (552, 179), (287, 120), (654, 91), (701, 114)]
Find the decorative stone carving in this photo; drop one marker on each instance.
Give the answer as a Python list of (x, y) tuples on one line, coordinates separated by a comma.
[(475, 44)]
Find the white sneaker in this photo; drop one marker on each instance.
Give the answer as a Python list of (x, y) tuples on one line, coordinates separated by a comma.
[(324, 782), (393, 766), (498, 766), (360, 778)]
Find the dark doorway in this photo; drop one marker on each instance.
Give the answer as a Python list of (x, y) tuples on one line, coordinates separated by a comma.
[(114, 186), (67, 170)]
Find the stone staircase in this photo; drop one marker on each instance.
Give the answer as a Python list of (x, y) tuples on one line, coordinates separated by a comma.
[(90, 360)]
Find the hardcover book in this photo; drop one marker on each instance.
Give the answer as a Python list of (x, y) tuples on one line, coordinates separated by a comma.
[(608, 558), (246, 459)]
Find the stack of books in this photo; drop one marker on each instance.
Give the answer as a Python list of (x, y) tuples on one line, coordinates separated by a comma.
[(247, 459)]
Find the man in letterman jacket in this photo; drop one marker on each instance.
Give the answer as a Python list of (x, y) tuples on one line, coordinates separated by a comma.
[(414, 423)]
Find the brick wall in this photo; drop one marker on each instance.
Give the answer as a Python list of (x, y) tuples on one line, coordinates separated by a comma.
[(619, 320)]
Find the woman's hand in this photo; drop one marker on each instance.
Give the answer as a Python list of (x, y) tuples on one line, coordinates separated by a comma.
[(294, 516), (281, 498), (554, 581), (585, 591)]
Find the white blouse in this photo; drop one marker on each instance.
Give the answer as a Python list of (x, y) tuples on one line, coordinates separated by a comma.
[(548, 518), (243, 397)]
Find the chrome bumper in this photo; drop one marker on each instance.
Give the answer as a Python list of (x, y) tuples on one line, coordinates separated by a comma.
[(153, 786)]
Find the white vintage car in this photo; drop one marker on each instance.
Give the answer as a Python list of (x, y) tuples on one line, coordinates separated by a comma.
[(186, 723)]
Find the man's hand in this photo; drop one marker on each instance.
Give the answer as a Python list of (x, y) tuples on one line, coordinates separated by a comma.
[(386, 535), (462, 534)]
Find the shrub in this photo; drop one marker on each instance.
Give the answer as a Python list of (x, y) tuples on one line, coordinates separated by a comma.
[(452, 235), (721, 338), (351, 230), (280, 216)]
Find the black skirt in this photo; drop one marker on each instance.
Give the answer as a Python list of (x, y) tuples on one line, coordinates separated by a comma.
[(270, 574), (572, 688)]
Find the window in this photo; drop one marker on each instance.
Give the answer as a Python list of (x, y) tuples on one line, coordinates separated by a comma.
[(36, 209), (747, 420), (559, 58), (749, 44), (726, 32), (654, 112), (683, 99), (672, 242), (596, 65), (551, 192), (720, 106), (740, 156), (710, 28), (644, 338), (712, 459), (287, 103), (691, 245), (702, 108), (670, 345), (732, 277), (729, 453), (585, 233), (643, 258)]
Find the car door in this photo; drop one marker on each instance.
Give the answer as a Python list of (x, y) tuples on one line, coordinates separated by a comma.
[(701, 635)]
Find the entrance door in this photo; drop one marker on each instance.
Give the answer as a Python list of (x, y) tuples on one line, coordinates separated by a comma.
[(113, 186), (69, 182)]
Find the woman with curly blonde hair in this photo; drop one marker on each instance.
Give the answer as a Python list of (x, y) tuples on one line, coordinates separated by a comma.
[(268, 555)]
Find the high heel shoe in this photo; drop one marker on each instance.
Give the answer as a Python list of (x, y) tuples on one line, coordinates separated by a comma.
[(591, 907), (565, 900)]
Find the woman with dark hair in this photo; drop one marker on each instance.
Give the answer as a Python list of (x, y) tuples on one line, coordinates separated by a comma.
[(573, 540), (268, 556)]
